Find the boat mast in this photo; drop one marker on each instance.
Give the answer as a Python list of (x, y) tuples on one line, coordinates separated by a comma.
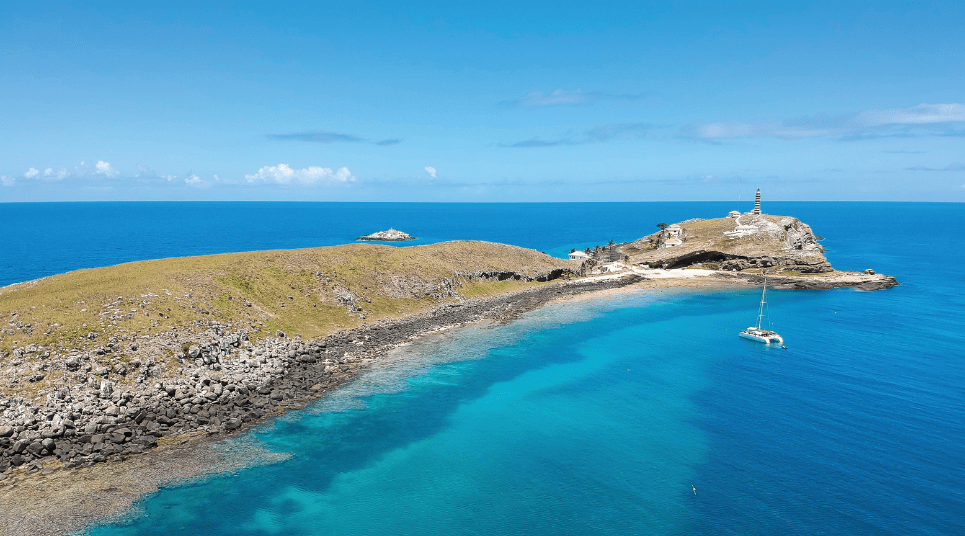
[(760, 314)]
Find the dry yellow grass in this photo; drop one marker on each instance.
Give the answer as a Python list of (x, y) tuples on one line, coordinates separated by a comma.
[(290, 290), (295, 291)]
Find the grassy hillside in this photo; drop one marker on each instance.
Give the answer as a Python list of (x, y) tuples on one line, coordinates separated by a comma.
[(307, 292)]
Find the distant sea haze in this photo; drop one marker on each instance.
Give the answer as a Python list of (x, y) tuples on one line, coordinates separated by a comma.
[(593, 417)]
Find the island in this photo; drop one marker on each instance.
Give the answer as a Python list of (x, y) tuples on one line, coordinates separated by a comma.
[(118, 363), (391, 235)]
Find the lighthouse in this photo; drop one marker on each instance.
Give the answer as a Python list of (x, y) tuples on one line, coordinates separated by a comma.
[(757, 202)]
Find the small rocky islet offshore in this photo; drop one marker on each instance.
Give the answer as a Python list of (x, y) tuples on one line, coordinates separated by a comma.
[(226, 384)]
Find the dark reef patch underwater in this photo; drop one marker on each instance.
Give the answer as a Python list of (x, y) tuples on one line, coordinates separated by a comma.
[(597, 416)]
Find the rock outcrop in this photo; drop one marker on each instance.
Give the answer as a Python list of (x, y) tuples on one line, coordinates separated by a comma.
[(760, 241), (391, 235)]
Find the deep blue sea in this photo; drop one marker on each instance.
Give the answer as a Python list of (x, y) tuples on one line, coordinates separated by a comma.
[(591, 417)]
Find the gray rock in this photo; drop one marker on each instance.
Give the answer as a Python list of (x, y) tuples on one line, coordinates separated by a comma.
[(107, 389), (6, 431), (193, 351), (52, 432), (48, 444)]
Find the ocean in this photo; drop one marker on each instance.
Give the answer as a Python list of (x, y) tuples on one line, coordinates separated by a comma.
[(598, 416)]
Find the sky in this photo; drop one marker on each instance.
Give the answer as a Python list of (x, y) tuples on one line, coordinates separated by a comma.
[(482, 101)]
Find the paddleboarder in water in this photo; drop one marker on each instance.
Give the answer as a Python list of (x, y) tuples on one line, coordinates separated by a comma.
[(695, 489)]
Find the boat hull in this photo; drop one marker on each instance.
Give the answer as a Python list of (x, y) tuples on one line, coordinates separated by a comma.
[(766, 338)]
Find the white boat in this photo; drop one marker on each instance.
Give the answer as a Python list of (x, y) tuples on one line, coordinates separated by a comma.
[(758, 333)]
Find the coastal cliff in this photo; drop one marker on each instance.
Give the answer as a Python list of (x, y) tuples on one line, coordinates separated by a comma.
[(750, 241), (745, 248)]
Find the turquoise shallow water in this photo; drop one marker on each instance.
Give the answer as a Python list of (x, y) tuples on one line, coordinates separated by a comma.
[(597, 417)]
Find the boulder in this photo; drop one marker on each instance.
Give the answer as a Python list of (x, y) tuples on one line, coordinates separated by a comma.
[(6, 431)]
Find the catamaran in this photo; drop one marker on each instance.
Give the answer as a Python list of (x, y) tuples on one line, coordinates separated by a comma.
[(757, 333)]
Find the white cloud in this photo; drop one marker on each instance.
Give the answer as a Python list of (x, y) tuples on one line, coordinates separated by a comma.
[(560, 97), (104, 168), (431, 171), (9, 181), (60, 174), (192, 179), (752, 130), (923, 114), (283, 174), (170, 177), (31, 173), (924, 119)]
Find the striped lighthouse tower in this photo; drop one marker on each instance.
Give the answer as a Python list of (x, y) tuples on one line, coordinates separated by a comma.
[(757, 202)]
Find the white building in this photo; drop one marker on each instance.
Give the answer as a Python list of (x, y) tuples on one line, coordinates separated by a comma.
[(674, 232), (578, 255)]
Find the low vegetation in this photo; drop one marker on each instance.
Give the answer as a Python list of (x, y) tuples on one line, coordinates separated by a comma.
[(307, 293)]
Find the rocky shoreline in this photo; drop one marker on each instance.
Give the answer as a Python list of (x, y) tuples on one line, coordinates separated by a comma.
[(867, 280), (227, 385), (234, 385)]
